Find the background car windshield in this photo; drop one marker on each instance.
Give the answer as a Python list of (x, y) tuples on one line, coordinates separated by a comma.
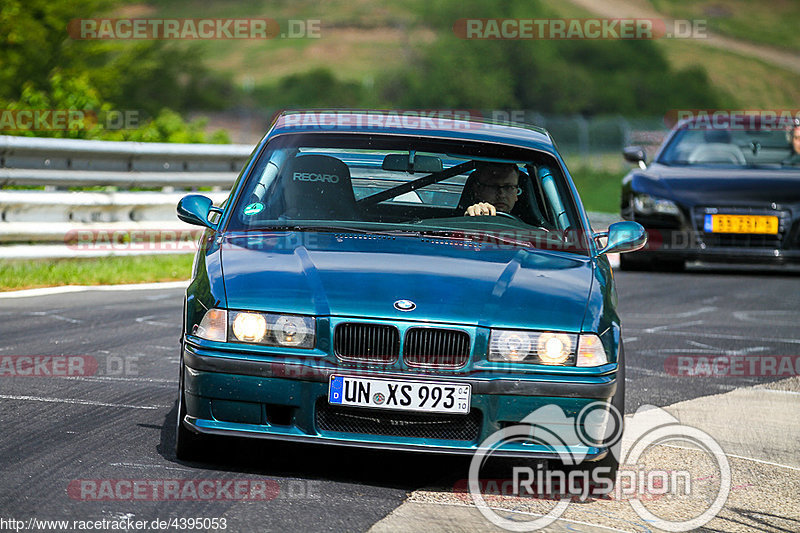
[(383, 183), (730, 147)]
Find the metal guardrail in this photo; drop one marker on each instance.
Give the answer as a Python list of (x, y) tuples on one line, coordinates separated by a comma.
[(54, 215), (51, 222)]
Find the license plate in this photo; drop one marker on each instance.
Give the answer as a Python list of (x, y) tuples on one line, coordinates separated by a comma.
[(428, 396), (763, 224)]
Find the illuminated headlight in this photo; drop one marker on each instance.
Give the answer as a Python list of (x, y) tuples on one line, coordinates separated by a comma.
[(213, 326), (591, 351), (532, 347), (554, 348), (249, 327), (649, 205), (272, 329)]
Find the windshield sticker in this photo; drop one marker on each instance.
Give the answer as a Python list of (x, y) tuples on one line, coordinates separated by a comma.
[(254, 208)]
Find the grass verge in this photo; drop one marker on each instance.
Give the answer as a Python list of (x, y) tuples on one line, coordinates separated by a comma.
[(773, 23), (29, 274), (599, 189)]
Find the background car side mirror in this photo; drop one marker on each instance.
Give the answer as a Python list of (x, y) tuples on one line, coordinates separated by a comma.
[(635, 154), (625, 236), (195, 209)]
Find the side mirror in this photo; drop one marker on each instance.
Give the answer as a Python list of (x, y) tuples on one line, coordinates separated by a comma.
[(195, 209), (625, 236), (635, 154)]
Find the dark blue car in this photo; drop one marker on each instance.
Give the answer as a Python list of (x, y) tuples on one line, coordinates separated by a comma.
[(721, 190), (344, 295)]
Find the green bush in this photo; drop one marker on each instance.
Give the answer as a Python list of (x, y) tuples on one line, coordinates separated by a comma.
[(42, 68)]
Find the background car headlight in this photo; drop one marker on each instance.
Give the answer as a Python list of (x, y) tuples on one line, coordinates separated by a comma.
[(649, 205), (543, 348), (272, 329), (213, 326), (591, 351)]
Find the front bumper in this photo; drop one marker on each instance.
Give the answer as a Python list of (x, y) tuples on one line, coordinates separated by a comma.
[(680, 240), (226, 395), (720, 255)]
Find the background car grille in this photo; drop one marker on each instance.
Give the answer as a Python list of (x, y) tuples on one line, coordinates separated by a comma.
[(397, 423), (366, 342), (436, 347), (742, 241)]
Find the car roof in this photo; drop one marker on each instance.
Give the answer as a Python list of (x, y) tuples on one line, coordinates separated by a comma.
[(439, 124)]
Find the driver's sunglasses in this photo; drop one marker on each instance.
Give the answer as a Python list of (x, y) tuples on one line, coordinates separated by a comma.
[(505, 189)]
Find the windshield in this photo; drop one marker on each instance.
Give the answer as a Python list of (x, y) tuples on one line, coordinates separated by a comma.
[(388, 184), (734, 147)]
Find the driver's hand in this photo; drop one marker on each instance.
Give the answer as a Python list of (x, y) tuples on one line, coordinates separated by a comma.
[(482, 208)]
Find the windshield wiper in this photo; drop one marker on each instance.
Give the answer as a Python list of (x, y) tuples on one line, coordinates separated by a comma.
[(493, 238), (335, 228)]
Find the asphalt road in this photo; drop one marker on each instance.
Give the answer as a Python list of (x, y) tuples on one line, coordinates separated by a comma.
[(118, 423)]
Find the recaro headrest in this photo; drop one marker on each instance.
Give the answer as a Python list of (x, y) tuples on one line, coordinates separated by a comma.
[(318, 187)]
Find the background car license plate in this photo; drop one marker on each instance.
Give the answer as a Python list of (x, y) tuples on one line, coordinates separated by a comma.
[(435, 397), (741, 224)]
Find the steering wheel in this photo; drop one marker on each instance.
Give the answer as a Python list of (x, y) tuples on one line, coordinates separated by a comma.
[(508, 215)]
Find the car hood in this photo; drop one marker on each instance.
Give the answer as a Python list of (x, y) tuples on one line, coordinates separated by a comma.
[(450, 281), (697, 185)]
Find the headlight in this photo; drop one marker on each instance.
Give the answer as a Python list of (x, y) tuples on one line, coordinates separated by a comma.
[(290, 330), (649, 205), (554, 348), (546, 348), (249, 327), (543, 348), (591, 351), (272, 329), (213, 326)]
